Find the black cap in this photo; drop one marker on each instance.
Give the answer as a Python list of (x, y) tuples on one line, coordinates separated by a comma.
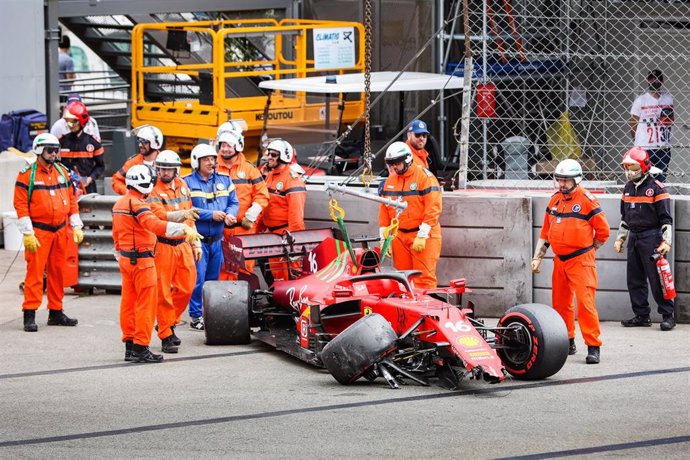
[(656, 73)]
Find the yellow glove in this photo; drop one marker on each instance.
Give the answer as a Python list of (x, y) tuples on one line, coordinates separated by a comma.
[(78, 235), (618, 246), (535, 264), (191, 235), (418, 244), (663, 248), (31, 243), (191, 214), (247, 224)]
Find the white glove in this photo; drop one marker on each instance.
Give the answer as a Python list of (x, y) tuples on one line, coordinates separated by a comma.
[(424, 230), (25, 226), (253, 212), (75, 221), (174, 229)]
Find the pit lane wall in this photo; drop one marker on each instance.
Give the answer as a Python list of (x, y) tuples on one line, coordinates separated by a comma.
[(489, 237)]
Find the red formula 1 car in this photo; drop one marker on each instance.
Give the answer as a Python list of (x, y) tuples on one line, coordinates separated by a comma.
[(342, 312)]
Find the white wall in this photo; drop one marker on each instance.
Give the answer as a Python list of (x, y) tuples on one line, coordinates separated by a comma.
[(22, 73)]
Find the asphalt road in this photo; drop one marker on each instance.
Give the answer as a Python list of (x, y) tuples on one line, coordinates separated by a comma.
[(66, 393)]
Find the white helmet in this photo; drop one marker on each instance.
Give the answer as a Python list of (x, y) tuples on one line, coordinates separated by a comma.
[(569, 169), (168, 159), (284, 148), (151, 134), (140, 178), (231, 126), (44, 140), (200, 151), (398, 151), (234, 139)]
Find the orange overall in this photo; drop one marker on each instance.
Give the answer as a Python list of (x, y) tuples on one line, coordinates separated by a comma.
[(250, 187), (420, 189), (174, 258), (572, 224), (119, 177), (135, 229), (285, 210), (52, 202), (419, 156)]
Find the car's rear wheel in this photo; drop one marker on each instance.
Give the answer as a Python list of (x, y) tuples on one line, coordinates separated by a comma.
[(226, 312), (536, 346), (355, 350)]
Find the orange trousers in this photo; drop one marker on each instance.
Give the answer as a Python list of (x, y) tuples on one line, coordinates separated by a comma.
[(249, 264), (404, 258), (176, 272), (577, 276), (139, 300), (53, 254)]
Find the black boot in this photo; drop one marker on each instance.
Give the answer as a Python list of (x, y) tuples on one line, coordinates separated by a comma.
[(59, 318), (30, 321), (168, 346), (668, 323), (175, 339), (142, 354), (637, 321), (592, 355), (572, 349), (128, 350)]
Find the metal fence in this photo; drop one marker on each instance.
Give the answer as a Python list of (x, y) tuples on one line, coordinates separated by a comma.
[(558, 79)]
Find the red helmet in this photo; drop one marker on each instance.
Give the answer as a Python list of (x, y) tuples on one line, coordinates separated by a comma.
[(637, 156), (77, 110)]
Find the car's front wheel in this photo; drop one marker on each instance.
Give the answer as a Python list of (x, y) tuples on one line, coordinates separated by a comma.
[(535, 345), (355, 350)]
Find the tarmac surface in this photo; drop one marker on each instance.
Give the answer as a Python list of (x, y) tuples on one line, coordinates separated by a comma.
[(67, 393)]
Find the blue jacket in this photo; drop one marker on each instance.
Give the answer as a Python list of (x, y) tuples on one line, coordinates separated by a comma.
[(216, 194)]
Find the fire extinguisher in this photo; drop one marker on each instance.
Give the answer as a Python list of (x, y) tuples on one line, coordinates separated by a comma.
[(665, 275), (485, 98)]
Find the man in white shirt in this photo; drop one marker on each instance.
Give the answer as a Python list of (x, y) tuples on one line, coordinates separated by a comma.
[(651, 121)]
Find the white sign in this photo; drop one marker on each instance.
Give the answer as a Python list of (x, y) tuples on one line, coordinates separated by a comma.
[(334, 48)]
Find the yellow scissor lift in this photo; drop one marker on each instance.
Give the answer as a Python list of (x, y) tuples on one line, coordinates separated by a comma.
[(186, 118)]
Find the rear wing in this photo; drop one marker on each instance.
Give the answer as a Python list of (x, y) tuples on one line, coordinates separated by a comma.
[(241, 248)]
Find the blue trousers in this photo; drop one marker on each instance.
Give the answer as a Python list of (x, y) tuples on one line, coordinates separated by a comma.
[(207, 269), (660, 158)]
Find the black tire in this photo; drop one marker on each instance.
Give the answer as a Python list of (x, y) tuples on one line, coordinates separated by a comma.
[(352, 353), (541, 342), (226, 312)]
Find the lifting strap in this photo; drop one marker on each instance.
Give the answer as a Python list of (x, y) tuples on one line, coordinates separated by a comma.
[(338, 214)]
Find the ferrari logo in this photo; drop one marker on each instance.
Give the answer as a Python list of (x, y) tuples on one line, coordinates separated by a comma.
[(367, 311)]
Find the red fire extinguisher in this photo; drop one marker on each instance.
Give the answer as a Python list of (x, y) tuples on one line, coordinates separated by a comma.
[(665, 276), (485, 99)]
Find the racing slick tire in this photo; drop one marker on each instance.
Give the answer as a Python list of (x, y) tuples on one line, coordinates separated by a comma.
[(355, 350), (226, 312), (541, 341)]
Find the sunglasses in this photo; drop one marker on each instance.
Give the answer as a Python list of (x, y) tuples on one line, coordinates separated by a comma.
[(274, 154), (72, 121), (142, 141), (51, 149), (420, 135)]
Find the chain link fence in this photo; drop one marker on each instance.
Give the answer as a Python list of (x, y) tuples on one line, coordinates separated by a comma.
[(558, 79)]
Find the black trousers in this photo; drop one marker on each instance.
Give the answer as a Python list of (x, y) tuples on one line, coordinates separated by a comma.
[(641, 268)]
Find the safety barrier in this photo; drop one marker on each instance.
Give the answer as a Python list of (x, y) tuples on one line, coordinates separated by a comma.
[(488, 238), (97, 265)]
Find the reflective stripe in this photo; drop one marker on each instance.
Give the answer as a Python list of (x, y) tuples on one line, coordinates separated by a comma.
[(574, 215), (646, 199), (210, 195), (422, 192), (287, 191)]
